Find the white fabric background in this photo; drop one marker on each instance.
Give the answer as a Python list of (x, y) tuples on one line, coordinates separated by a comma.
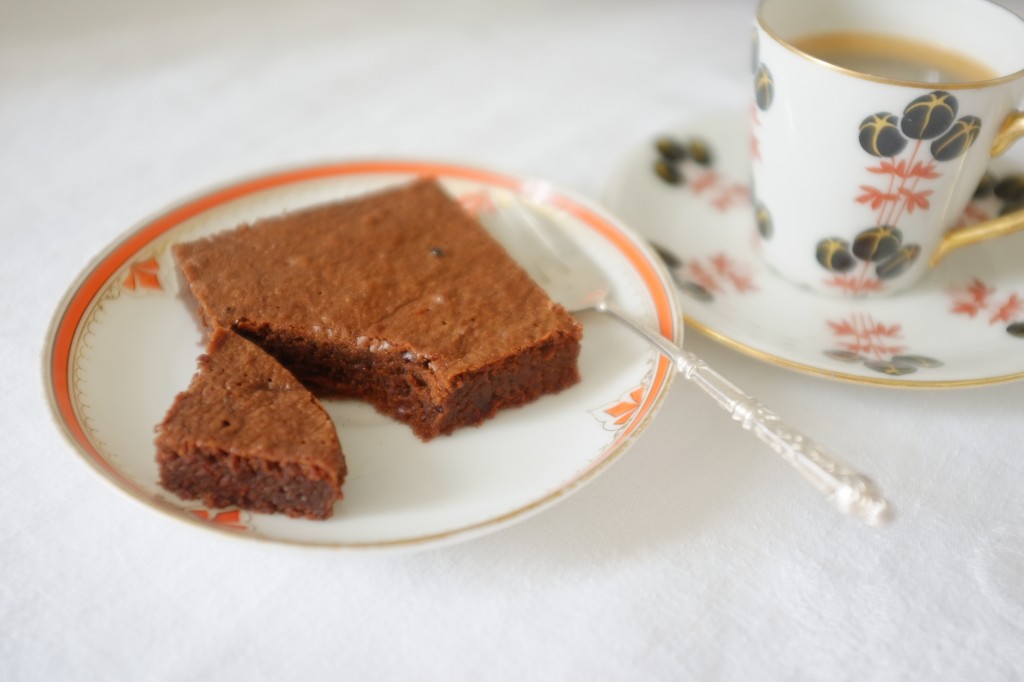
[(697, 556)]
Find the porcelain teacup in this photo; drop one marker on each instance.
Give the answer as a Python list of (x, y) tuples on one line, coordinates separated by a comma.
[(872, 124)]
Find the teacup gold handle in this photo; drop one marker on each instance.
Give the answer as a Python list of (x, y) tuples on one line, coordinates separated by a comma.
[(1013, 128)]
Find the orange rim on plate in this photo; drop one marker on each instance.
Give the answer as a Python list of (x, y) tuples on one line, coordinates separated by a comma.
[(66, 325)]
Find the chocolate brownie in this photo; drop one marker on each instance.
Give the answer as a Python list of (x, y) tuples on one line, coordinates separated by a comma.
[(399, 298), (247, 433)]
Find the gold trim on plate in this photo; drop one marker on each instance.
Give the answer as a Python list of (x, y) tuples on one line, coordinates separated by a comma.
[(757, 354)]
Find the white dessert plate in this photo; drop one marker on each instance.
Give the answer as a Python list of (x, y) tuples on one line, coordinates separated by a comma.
[(123, 343), (962, 326)]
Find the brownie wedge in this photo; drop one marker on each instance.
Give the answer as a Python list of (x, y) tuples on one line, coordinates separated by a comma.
[(246, 433)]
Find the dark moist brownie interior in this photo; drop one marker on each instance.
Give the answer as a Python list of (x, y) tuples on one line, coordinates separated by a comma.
[(246, 433), (399, 298)]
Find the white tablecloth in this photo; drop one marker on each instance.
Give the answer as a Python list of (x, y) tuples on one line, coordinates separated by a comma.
[(699, 555)]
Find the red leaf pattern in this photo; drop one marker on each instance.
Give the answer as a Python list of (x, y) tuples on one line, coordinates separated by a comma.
[(875, 197), (924, 170), (863, 335), (855, 284), (976, 297), (1008, 311), (914, 200), (719, 273)]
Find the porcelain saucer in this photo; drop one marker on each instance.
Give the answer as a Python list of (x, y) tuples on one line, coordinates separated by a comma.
[(686, 190)]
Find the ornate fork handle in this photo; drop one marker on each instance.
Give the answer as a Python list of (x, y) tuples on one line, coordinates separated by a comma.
[(851, 492)]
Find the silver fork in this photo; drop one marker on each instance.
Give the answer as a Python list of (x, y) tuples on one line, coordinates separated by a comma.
[(570, 277)]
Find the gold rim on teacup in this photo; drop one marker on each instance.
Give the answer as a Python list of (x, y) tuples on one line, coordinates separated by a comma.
[(952, 85)]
